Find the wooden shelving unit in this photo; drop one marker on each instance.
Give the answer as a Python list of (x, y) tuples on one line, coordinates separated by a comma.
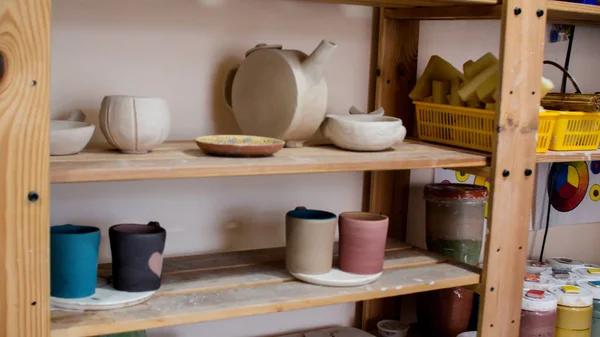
[(218, 286), (558, 11), (572, 13), (186, 160), (566, 156)]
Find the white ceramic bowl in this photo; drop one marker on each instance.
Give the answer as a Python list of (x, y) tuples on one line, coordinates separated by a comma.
[(134, 124), (363, 132), (69, 137)]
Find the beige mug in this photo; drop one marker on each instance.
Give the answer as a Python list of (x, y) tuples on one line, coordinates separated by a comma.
[(310, 236)]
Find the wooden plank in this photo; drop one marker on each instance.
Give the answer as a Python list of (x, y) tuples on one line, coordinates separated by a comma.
[(409, 3), (201, 296), (185, 160), (566, 156), (397, 72), (244, 258), (24, 153), (521, 56), (445, 13), (270, 273), (558, 12), (572, 13)]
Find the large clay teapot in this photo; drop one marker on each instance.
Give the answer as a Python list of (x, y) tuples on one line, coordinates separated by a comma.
[(280, 93)]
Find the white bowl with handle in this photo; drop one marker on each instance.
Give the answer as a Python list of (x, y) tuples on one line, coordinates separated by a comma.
[(70, 136), (360, 131)]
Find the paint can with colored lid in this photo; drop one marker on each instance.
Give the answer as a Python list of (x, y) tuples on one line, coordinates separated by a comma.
[(538, 313), (564, 263), (574, 314), (594, 287)]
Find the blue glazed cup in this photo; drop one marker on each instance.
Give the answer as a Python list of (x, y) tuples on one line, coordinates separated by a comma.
[(73, 260)]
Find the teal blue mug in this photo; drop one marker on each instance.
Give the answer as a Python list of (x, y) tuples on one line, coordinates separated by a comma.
[(73, 260)]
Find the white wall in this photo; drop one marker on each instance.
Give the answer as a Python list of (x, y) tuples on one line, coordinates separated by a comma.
[(180, 50)]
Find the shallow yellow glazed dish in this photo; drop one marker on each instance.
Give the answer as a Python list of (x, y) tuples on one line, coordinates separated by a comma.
[(239, 145)]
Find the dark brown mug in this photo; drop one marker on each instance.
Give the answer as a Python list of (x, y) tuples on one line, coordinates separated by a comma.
[(137, 258)]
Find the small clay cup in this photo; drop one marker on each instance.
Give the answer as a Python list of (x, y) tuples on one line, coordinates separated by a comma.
[(362, 242), (137, 258), (73, 260), (309, 236)]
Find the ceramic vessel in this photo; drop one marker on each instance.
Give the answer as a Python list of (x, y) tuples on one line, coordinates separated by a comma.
[(362, 242), (73, 260), (280, 93), (137, 258), (134, 124), (392, 328), (363, 132), (309, 237), (70, 136), (239, 146)]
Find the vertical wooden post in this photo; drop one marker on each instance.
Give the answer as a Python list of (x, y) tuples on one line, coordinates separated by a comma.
[(24, 167), (521, 56), (396, 76)]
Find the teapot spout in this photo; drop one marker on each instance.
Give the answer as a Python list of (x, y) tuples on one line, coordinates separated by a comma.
[(315, 62)]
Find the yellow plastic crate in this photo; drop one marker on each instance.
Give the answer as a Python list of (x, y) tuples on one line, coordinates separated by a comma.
[(470, 128), (576, 131)]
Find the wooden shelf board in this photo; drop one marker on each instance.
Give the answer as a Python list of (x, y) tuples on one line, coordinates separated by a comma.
[(566, 156), (185, 160), (226, 285), (572, 13), (410, 3), (558, 12)]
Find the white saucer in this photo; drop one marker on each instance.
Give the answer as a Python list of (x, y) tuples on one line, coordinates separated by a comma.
[(105, 298), (337, 278)]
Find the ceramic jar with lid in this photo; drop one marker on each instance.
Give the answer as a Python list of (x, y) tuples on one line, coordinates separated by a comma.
[(594, 287), (587, 273), (538, 314), (564, 263), (536, 267), (454, 220), (561, 278), (538, 282), (574, 318)]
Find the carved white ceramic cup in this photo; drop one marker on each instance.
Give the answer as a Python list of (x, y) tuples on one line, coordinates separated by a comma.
[(134, 124)]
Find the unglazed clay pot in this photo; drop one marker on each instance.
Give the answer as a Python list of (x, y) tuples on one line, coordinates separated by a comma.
[(134, 124), (280, 93), (362, 242), (309, 237), (360, 131), (137, 258)]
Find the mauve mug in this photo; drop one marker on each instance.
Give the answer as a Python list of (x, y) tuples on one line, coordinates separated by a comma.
[(362, 242), (309, 237), (73, 260), (137, 258)]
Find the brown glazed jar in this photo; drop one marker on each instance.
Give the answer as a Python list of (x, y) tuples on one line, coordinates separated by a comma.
[(445, 313), (538, 314)]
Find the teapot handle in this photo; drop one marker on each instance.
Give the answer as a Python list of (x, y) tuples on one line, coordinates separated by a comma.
[(378, 112), (76, 116), (154, 224), (227, 90)]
